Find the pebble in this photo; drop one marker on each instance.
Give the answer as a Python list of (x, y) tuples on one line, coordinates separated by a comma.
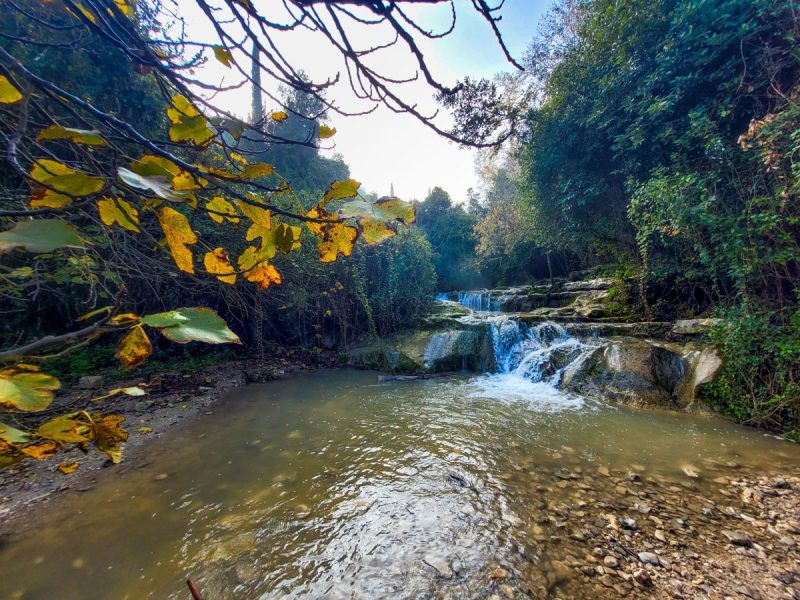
[(628, 523), (649, 558), (161, 477), (690, 471), (660, 536), (737, 538), (642, 577), (498, 573), (611, 562)]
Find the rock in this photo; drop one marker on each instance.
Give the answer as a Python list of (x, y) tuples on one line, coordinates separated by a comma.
[(737, 538), (611, 562), (693, 326), (507, 590), (690, 471), (440, 565), (749, 592), (629, 371), (91, 382), (498, 573), (161, 477), (642, 577), (660, 535), (649, 558), (628, 523)]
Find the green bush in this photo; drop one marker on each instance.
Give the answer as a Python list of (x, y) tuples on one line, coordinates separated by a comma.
[(759, 383)]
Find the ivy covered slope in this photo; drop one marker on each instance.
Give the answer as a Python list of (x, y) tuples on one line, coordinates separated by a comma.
[(659, 145)]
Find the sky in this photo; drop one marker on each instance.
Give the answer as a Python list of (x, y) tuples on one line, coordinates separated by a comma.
[(384, 149)]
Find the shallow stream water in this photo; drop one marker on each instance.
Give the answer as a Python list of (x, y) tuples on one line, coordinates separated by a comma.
[(332, 485)]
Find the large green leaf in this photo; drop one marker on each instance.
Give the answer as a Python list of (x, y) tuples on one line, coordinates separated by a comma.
[(26, 390), (192, 325), (40, 235)]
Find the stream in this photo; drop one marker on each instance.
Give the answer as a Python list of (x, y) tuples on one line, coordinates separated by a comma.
[(332, 485)]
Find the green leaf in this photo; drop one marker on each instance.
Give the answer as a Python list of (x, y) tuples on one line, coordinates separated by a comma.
[(12, 435), (192, 325), (26, 390), (40, 235)]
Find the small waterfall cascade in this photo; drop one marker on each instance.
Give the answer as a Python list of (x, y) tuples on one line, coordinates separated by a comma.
[(537, 353), (482, 301)]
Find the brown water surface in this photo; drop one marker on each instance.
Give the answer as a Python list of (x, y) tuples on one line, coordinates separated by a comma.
[(331, 485)]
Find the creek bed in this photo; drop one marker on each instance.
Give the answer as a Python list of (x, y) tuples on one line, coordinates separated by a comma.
[(330, 485)]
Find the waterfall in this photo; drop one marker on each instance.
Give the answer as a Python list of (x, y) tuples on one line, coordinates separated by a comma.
[(538, 353), (479, 301)]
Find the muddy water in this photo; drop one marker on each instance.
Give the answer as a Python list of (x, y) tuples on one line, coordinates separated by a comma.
[(331, 485)]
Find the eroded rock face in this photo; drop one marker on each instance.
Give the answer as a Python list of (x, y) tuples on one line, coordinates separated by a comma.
[(642, 372)]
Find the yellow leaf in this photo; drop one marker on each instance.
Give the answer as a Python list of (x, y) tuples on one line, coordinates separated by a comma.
[(217, 205), (109, 435), (8, 93), (279, 116), (150, 165), (223, 55), (44, 198), (256, 214), (318, 213), (145, 429), (238, 158), (179, 237), (257, 170), (66, 430), (263, 276), (124, 319), (64, 179), (374, 232), (28, 390), (41, 450), (188, 125), (76, 136), (86, 12), (128, 391), (126, 7), (68, 467), (134, 348), (217, 262), (337, 238), (338, 190), (326, 132), (118, 211)]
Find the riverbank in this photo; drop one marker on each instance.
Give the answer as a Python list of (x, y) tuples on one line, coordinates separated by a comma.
[(173, 399)]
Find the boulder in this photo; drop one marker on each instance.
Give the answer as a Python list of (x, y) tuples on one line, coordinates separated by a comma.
[(631, 371)]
